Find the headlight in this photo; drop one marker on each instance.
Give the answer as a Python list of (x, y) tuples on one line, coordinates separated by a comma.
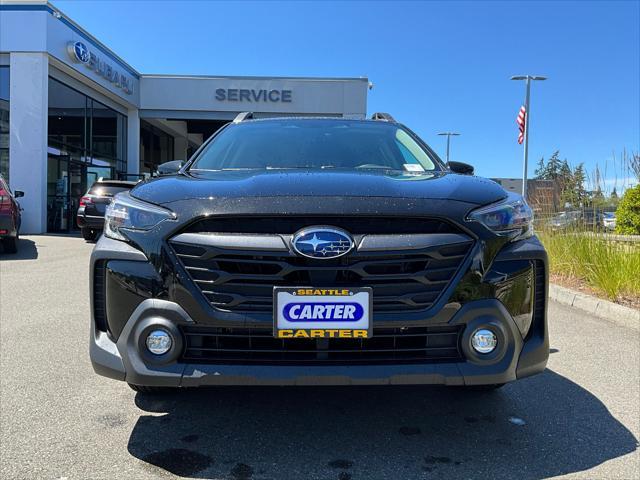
[(511, 217), (125, 212)]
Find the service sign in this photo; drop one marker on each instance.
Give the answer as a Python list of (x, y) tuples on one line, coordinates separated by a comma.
[(308, 312)]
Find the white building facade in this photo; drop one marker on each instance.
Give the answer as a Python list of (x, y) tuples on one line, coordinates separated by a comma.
[(72, 111)]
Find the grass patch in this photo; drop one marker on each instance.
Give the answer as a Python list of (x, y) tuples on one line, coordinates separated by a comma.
[(610, 268)]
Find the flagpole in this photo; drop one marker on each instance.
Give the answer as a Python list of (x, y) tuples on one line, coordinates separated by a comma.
[(527, 117)]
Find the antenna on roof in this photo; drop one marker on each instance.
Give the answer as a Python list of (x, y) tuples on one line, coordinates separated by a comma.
[(242, 116), (385, 117)]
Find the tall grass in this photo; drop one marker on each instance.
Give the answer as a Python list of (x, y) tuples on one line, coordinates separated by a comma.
[(609, 267), (583, 255)]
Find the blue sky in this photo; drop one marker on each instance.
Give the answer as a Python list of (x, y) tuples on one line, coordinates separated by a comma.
[(435, 65)]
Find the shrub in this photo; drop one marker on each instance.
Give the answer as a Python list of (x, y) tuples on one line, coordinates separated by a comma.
[(608, 267), (628, 212)]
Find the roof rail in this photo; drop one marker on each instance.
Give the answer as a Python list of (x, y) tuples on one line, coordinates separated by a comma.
[(385, 117), (242, 116)]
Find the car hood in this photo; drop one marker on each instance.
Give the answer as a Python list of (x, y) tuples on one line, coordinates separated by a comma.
[(314, 183)]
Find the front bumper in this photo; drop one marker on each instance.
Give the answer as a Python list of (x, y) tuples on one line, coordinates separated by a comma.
[(122, 357), (89, 221), (123, 360)]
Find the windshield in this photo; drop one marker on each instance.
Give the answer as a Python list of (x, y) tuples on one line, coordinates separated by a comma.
[(314, 144)]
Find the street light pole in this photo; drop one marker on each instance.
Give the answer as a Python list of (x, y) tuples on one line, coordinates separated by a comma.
[(527, 79), (449, 135)]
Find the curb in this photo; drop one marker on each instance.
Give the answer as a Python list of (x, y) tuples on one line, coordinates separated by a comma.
[(625, 316)]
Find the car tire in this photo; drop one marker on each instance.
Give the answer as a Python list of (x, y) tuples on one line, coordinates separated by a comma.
[(10, 244), (89, 235), (147, 389)]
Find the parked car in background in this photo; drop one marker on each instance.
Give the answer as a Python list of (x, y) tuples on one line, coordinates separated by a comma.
[(609, 221), (93, 204), (588, 219), (564, 221), (592, 220), (10, 217)]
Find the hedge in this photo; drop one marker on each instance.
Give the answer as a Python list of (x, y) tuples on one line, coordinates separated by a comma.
[(628, 212)]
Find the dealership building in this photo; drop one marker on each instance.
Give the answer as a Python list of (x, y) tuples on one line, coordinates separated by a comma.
[(73, 111)]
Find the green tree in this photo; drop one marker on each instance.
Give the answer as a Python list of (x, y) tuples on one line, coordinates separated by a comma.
[(541, 170), (579, 178), (614, 194), (565, 176), (628, 212), (550, 170), (554, 166), (613, 199), (565, 182)]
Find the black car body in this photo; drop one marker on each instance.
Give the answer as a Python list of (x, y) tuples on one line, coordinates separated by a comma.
[(90, 215), (10, 217), (229, 241)]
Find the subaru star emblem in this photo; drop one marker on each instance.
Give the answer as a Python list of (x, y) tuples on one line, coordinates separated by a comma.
[(322, 242), (81, 52)]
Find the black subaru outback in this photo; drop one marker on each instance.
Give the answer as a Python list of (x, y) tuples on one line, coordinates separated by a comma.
[(318, 251)]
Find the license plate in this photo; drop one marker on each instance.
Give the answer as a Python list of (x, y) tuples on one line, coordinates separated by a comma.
[(308, 312)]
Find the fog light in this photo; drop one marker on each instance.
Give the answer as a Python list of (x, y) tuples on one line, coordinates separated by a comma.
[(159, 342), (484, 341)]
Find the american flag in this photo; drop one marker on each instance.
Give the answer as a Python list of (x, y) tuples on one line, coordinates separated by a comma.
[(521, 120)]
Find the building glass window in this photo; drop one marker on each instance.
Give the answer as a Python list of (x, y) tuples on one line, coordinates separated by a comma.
[(156, 147), (86, 141), (4, 122)]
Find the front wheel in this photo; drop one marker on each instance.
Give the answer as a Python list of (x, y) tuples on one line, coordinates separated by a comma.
[(89, 235)]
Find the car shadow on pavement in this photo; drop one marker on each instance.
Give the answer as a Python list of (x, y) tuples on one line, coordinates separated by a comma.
[(534, 428), (27, 250)]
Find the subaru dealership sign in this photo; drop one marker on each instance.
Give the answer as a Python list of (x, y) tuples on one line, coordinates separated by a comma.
[(80, 53)]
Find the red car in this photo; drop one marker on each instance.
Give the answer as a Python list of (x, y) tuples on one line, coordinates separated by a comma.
[(9, 217)]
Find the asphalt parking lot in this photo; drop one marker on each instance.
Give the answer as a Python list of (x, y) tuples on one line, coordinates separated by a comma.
[(580, 419)]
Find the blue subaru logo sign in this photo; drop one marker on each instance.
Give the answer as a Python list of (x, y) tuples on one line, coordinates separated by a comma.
[(322, 242), (81, 52)]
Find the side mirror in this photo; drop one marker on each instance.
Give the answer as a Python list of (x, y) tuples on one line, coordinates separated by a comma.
[(460, 167), (18, 193), (170, 168)]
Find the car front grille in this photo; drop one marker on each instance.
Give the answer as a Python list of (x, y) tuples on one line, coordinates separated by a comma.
[(239, 277), (257, 345)]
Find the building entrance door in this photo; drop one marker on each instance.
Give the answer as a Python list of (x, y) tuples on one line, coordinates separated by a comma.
[(58, 194), (68, 180), (77, 187)]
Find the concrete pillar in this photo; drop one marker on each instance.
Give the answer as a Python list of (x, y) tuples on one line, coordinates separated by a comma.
[(196, 138), (28, 120), (180, 145), (133, 142)]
